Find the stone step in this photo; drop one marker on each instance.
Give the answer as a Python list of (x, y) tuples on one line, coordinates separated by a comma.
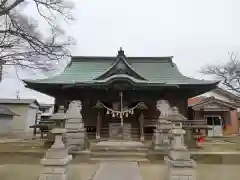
[(119, 146), (108, 154), (106, 132), (106, 138), (125, 128), (119, 149), (119, 159), (132, 130), (132, 127)]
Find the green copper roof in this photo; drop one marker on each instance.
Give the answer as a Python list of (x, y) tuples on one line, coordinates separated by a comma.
[(77, 72), (151, 70)]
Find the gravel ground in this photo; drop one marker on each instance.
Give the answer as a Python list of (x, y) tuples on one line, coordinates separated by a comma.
[(204, 172), (85, 171), (32, 172)]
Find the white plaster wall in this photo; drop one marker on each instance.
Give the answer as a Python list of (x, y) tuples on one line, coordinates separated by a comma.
[(5, 124), (19, 122), (30, 118)]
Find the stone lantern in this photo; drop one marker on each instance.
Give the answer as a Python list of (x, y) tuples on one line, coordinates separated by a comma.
[(177, 119), (180, 165), (59, 117), (59, 122), (56, 159)]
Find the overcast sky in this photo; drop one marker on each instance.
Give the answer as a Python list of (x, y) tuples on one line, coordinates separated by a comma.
[(194, 32)]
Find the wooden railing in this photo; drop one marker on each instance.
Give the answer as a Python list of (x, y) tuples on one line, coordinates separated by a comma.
[(186, 123)]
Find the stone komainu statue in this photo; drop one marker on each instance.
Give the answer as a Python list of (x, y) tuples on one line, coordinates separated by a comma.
[(76, 138)]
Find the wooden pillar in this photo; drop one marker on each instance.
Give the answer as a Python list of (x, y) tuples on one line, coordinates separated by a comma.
[(141, 122), (98, 128)]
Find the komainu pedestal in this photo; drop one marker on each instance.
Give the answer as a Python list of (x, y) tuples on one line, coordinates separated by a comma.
[(56, 160), (75, 137), (180, 165), (163, 125), (162, 142)]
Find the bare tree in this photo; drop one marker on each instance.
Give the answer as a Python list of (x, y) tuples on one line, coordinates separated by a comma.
[(21, 41), (228, 72)]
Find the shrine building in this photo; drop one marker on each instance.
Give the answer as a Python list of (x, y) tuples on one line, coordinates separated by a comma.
[(121, 90)]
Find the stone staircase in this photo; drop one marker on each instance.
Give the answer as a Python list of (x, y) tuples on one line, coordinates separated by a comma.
[(119, 151)]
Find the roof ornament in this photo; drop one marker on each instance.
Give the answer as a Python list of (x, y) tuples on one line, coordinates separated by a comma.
[(121, 52)]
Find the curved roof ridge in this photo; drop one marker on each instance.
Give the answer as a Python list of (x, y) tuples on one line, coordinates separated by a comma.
[(121, 57), (120, 76)]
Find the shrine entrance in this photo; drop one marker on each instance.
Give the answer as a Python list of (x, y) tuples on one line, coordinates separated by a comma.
[(120, 120)]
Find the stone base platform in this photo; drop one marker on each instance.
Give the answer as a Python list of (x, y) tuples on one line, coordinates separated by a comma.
[(118, 143), (31, 151), (34, 157), (202, 157), (119, 146), (119, 151)]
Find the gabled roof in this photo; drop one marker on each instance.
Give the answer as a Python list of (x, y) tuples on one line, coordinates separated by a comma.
[(6, 111), (227, 93), (212, 100), (120, 67), (147, 71), (18, 101)]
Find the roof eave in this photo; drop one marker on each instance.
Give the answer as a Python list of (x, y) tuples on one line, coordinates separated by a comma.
[(227, 93), (34, 85)]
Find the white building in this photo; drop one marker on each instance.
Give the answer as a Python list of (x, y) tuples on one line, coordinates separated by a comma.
[(26, 109)]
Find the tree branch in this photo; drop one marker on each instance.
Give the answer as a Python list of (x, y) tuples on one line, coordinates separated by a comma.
[(6, 10), (23, 44), (229, 72)]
